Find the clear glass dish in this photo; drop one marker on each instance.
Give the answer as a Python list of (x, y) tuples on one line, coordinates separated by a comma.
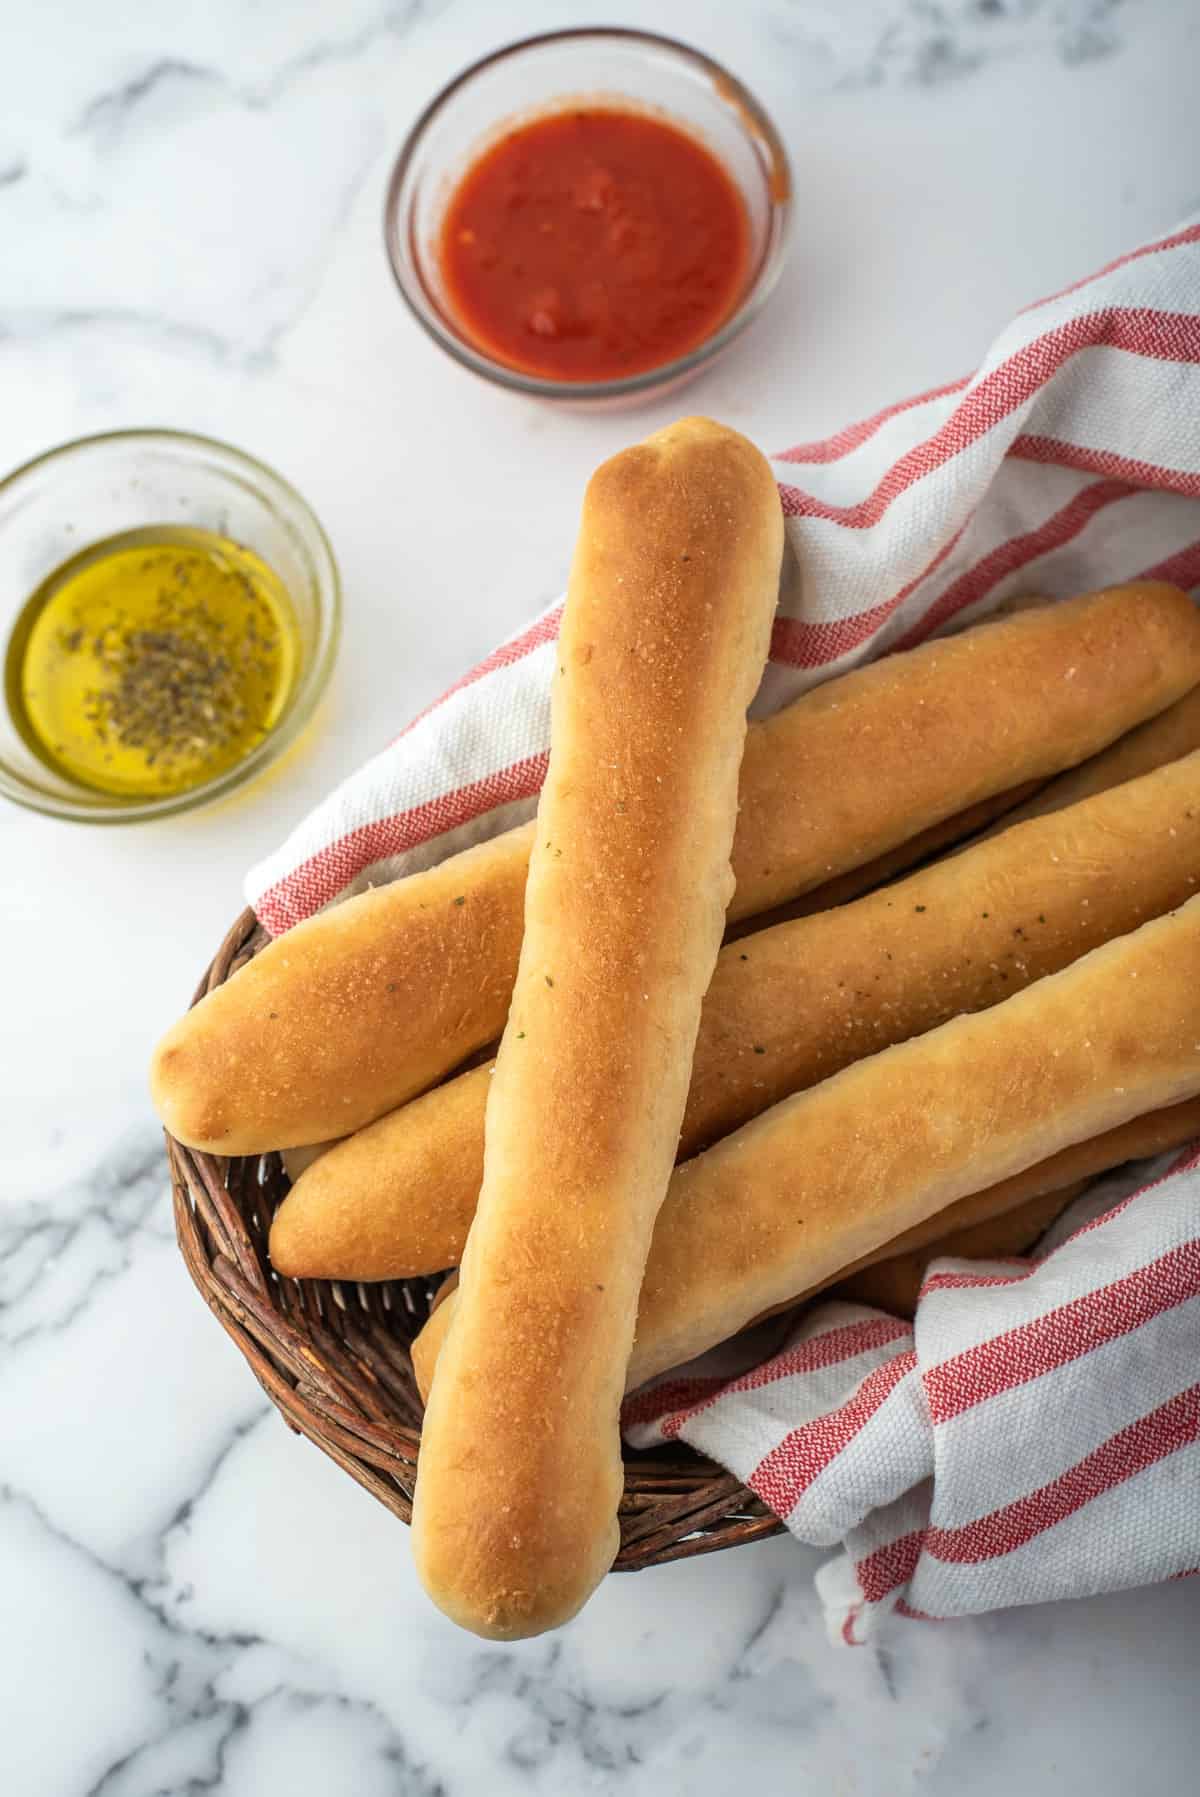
[(607, 66), (98, 487)]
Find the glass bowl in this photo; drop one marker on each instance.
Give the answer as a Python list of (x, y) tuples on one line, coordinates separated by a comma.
[(603, 66), (97, 487)]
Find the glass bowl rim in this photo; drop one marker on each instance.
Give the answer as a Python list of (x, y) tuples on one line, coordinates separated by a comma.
[(315, 678), (540, 386)]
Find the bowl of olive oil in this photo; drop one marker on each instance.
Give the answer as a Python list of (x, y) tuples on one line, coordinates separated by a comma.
[(170, 608)]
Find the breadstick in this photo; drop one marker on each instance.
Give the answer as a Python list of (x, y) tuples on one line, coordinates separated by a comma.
[(817, 1184), (367, 1004), (905, 856), (1174, 733), (895, 1284), (885, 736), (1073, 1167), (918, 848), (785, 1009), (1168, 737), (1023, 1196), (836, 892), (394, 1200), (1153, 1133), (663, 640)]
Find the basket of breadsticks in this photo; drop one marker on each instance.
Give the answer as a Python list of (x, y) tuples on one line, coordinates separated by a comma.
[(740, 1019)]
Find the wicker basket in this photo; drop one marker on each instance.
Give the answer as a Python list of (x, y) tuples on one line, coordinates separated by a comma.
[(334, 1357)]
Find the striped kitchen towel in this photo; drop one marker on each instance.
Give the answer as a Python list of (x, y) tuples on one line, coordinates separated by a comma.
[(1034, 1434), (1037, 1432)]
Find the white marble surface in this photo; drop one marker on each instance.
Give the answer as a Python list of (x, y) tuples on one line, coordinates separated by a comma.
[(193, 1599)]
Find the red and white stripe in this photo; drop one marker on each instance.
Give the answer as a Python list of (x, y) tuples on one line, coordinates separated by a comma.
[(1037, 1432), (1068, 460)]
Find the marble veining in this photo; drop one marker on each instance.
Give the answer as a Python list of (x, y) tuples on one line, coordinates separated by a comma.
[(227, 1612), (234, 1609), (196, 1600), (928, 42)]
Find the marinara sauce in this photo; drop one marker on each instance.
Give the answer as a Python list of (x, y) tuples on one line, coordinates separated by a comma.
[(590, 244)]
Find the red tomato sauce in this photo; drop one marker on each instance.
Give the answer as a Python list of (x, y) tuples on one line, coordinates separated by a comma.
[(588, 245)]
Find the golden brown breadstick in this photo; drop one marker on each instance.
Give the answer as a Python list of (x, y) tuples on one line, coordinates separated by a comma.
[(951, 830), (786, 1008), (367, 1004), (1167, 737), (906, 855), (395, 1199), (1084, 1161), (1073, 1167), (1153, 1133), (879, 742), (824, 1179), (895, 1284), (663, 640), (1171, 735)]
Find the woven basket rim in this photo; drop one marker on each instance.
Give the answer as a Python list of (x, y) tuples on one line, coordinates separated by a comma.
[(333, 1356)]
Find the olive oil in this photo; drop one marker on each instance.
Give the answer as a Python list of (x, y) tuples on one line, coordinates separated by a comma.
[(152, 661)]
